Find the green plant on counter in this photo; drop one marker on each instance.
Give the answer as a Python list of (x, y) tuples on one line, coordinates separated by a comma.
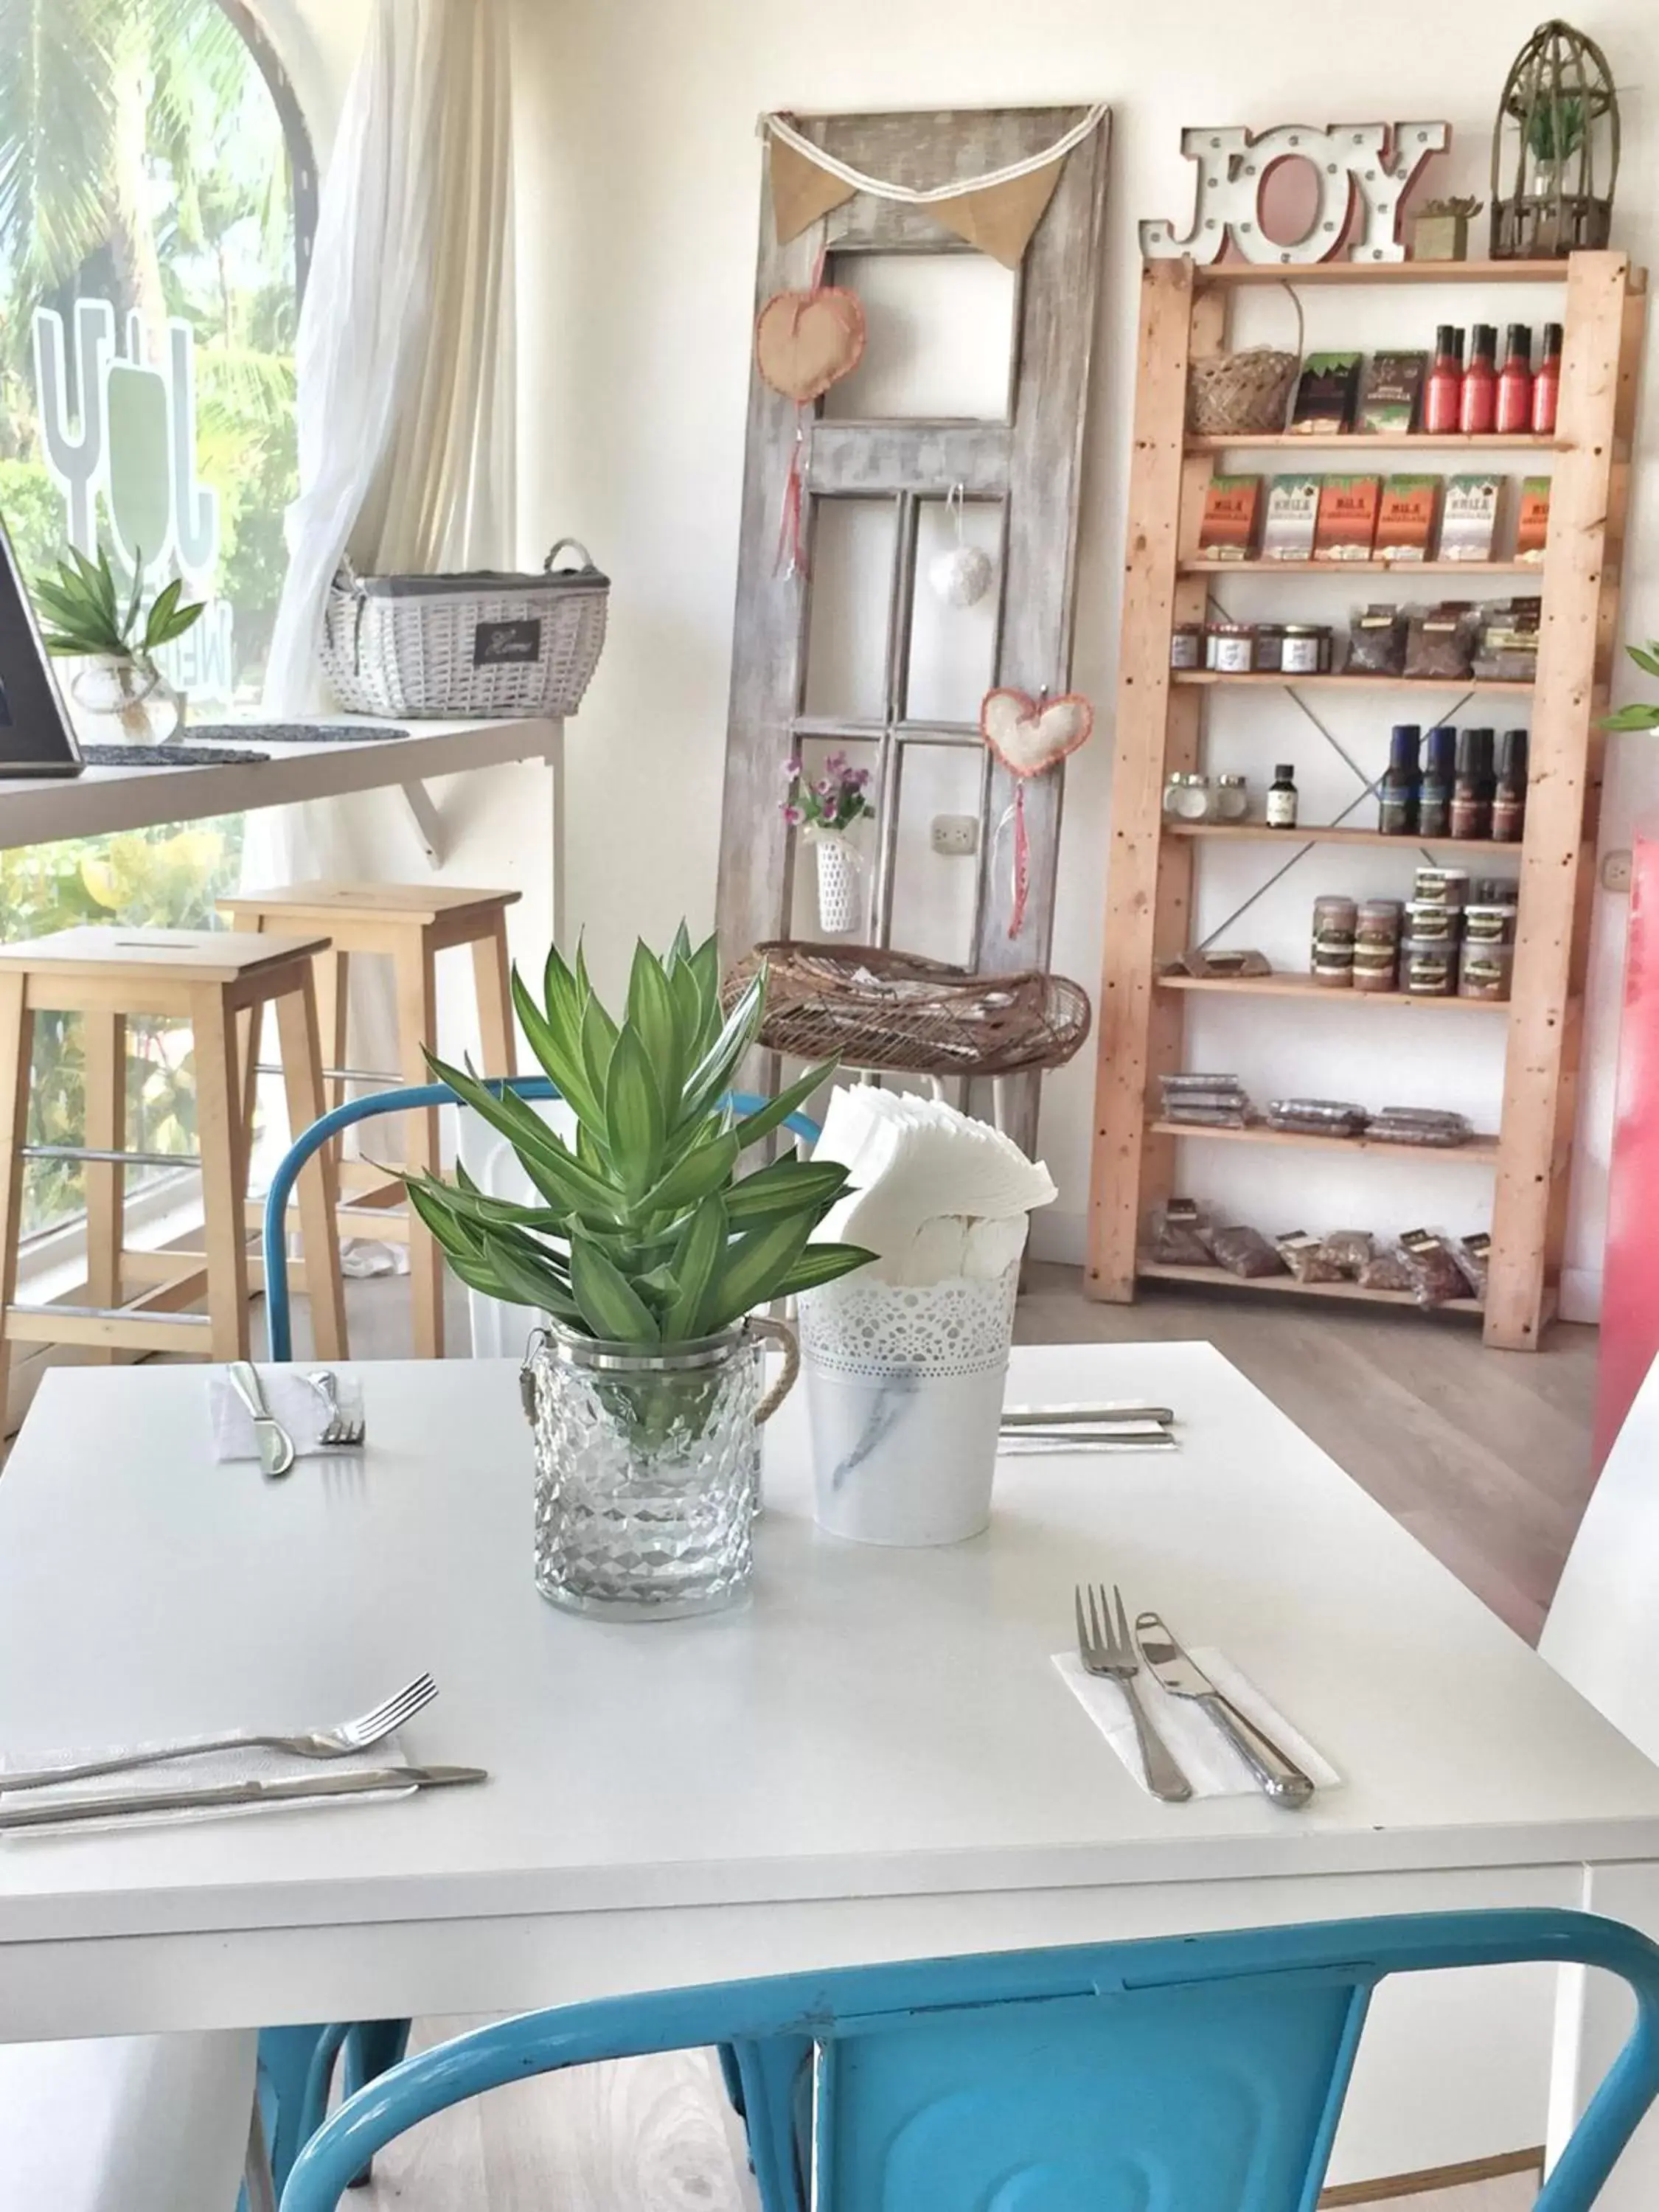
[(85, 615), (1637, 717), (646, 1234)]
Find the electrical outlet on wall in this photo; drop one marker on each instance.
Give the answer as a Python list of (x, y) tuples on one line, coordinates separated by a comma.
[(1615, 871), (955, 835)]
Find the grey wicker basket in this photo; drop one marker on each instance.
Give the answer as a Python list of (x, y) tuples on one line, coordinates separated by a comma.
[(483, 643)]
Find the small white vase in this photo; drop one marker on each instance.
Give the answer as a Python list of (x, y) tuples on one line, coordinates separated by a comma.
[(904, 1391), (840, 884)]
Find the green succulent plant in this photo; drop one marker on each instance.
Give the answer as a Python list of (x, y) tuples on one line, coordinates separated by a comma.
[(1638, 717), (646, 1234), (84, 613)]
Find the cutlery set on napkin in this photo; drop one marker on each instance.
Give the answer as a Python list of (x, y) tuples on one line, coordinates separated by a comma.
[(1118, 1427), (1186, 1724), (200, 1777), (280, 1417)]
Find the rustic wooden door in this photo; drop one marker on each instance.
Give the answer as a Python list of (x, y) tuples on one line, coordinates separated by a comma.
[(1025, 464)]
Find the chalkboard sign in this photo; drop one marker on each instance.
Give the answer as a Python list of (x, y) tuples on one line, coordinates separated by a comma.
[(35, 737)]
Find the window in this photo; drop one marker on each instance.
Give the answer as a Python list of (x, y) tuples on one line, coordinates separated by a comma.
[(156, 193)]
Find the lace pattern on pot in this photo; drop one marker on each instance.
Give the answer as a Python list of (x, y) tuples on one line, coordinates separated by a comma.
[(860, 1326)]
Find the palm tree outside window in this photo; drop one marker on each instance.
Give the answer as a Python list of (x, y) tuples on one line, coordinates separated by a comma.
[(157, 194)]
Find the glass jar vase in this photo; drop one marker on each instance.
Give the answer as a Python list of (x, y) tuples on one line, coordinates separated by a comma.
[(124, 698), (648, 1468)]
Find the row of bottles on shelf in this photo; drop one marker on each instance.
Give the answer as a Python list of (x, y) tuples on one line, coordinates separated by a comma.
[(1480, 397), (1461, 784)]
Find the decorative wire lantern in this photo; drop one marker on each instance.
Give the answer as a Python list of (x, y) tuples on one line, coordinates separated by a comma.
[(1554, 149)]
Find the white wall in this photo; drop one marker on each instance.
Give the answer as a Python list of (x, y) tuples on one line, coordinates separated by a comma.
[(640, 182)]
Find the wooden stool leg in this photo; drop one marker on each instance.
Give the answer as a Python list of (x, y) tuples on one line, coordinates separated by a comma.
[(16, 1046), (489, 970), (415, 968), (219, 1109), (250, 1030), (318, 1184), (333, 975), (106, 1050)]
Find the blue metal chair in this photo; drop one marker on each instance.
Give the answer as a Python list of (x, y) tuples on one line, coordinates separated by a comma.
[(279, 1320), (1188, 2073)]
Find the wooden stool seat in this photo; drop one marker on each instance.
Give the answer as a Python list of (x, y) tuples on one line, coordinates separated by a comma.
[(409, 924), (211, 979)]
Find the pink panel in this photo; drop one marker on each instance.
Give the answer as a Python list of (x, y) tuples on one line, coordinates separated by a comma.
[(1630, 1287)]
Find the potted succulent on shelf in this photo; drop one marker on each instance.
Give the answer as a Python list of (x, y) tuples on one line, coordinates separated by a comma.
[(824, 811), (87, 620), (647, 1252)]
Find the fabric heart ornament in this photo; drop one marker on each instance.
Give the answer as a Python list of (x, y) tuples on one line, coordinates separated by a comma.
[(805, 342), (1030, 737)]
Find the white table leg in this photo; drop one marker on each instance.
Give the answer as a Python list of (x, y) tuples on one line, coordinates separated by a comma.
[(1593, 2016)]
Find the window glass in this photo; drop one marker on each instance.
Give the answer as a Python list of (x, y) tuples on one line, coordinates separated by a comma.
[(148, 158)]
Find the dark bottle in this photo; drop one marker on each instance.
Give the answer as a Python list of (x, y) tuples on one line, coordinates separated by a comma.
[(1443, 390), (1515, 382), (1471, 799), (1282, 798), (1434, 793), (1509, 803), (1477, 409), (1396, 810), (1546, 383)]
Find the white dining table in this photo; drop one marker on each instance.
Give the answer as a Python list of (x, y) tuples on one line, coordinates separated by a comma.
[(874, 1758)]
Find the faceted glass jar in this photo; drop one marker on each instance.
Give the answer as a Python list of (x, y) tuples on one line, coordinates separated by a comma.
[(647, 1473)]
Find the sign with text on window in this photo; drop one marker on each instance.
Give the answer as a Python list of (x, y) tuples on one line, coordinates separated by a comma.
[(119, 438)]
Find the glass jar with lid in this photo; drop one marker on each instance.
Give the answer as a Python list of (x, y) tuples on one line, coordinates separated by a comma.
[(1187, 797), (1230, 799)]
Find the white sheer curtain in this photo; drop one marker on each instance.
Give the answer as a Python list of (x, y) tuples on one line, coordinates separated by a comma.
[(406, 361)]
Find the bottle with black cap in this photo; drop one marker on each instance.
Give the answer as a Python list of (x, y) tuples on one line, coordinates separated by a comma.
[(1477, 405), (1515, 383), (1508, 802), (1435, 792), (1282, 798), (1397, 799), (1472, 785)]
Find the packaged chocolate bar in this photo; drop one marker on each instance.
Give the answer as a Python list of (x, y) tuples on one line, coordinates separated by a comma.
[(1468, 520), (1326, 394), (1231, 507), (1405, 518), (1532, 525), (1347, 526), (1287, 528), (1389, 392)]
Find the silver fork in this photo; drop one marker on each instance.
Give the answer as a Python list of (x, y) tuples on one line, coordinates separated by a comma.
[(342, 1429), (341, 1743), (1110, 1650)]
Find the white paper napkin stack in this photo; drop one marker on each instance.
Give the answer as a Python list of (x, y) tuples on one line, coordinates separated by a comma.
[(934, 1194)]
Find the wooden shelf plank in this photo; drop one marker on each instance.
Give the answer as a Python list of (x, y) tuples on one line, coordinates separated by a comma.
[(1211, 676), (1331, 833), (1481, 1150), (1449, 442), (1380, 272), (1305, 989), (1219, 1278), (1379, 568)]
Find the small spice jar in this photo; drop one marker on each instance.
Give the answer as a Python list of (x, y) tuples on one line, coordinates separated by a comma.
[(1187, 797), (1487, 971), (1377, 967), (1230, 648), (1428, 922), (1305, 649), (1489, 924), (1229, 798), (1186, 645), (1428, 970), (1334, 922), (1442, 886), (1269, 648)]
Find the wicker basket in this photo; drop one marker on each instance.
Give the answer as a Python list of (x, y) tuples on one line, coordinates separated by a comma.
[(1228, 393), (485, 644), (898, 1013)]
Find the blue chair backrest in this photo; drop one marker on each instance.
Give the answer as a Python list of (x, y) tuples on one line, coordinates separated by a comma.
[(1191, 2074), (279, 1320)]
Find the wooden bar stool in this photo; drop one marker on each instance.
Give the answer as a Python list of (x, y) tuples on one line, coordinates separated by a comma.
[(210, 978), (409, 924)]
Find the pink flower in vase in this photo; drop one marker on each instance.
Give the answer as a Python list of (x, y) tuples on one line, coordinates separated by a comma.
[(795, 816), (791, 770)]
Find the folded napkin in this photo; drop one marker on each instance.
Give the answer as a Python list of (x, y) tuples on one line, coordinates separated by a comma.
[(290, 1398), (935, 1194), (204, 1770), (1202, 1753)]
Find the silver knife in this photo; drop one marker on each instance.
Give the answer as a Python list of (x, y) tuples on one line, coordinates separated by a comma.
[(375, 1782), (1278, 1777), (276, 1445), (1067, 1417), (1032, 1442)]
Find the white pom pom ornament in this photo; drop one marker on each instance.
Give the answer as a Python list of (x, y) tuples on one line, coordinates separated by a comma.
[(960, 575)]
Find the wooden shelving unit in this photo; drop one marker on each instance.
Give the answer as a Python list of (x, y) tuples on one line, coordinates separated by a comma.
[(1160, 728), (1205, 679)]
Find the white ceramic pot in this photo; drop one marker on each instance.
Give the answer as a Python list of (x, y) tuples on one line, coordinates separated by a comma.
[(904, 1391)]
